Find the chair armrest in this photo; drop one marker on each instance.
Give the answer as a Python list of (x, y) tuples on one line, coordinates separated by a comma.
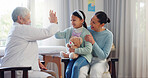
[(112, 59), (65, 60), (14, 68)]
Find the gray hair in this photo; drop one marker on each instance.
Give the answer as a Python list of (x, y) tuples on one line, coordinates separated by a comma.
[(19, 11)]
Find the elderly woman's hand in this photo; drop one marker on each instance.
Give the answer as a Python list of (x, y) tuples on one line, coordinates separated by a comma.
[(90, 39), (53, 17), (42, 66)]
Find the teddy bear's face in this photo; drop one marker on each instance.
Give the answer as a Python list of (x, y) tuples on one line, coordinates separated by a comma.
[(77, 41)]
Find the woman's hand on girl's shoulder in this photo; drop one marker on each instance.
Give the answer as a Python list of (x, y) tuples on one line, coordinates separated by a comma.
[(90, 39), (71, 50)]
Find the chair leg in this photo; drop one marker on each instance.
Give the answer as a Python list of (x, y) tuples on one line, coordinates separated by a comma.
[(112, 67), (12, 73), (66, 61), (1, 74), (25, 73), (113, 70)]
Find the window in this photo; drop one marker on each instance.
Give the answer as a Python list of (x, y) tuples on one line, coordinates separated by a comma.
[(40, 13), (6, 8), (140, 15), (39, 17), (140, 27)]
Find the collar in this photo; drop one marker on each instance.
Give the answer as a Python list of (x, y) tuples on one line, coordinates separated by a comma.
[(78, 30), (16, 23)]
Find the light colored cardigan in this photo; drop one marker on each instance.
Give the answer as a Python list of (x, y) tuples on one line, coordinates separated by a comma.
[(22, 49), (86, 47)]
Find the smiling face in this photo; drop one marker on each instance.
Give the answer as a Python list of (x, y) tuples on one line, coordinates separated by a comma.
[(76, 22), (95, 24)]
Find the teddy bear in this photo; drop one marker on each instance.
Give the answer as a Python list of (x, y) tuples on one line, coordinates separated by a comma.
[(74, 42)]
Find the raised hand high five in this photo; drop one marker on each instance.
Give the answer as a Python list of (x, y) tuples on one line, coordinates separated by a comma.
[(53, 17)]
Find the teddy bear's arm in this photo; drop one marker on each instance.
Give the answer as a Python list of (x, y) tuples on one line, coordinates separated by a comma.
[(84, 50), (68, 45)]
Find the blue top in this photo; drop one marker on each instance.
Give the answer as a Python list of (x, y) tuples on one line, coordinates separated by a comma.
[(103, 43)]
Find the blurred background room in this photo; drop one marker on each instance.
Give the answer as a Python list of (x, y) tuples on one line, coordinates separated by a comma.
[(128, 24)]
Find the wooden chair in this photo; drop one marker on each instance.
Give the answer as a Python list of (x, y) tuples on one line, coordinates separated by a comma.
[(55, 58), (13, 69), (111, 62)]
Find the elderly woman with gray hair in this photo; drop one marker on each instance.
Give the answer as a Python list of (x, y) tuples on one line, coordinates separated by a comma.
[(21, 48)]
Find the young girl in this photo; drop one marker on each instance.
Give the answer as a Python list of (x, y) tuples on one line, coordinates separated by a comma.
[(79, 29)]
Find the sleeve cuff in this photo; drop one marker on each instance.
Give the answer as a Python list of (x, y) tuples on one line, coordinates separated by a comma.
[(76, 51), (94, 45)]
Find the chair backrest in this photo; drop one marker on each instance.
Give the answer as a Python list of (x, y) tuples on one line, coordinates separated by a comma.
[(111, 61), (13, 69), (112, 66)]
